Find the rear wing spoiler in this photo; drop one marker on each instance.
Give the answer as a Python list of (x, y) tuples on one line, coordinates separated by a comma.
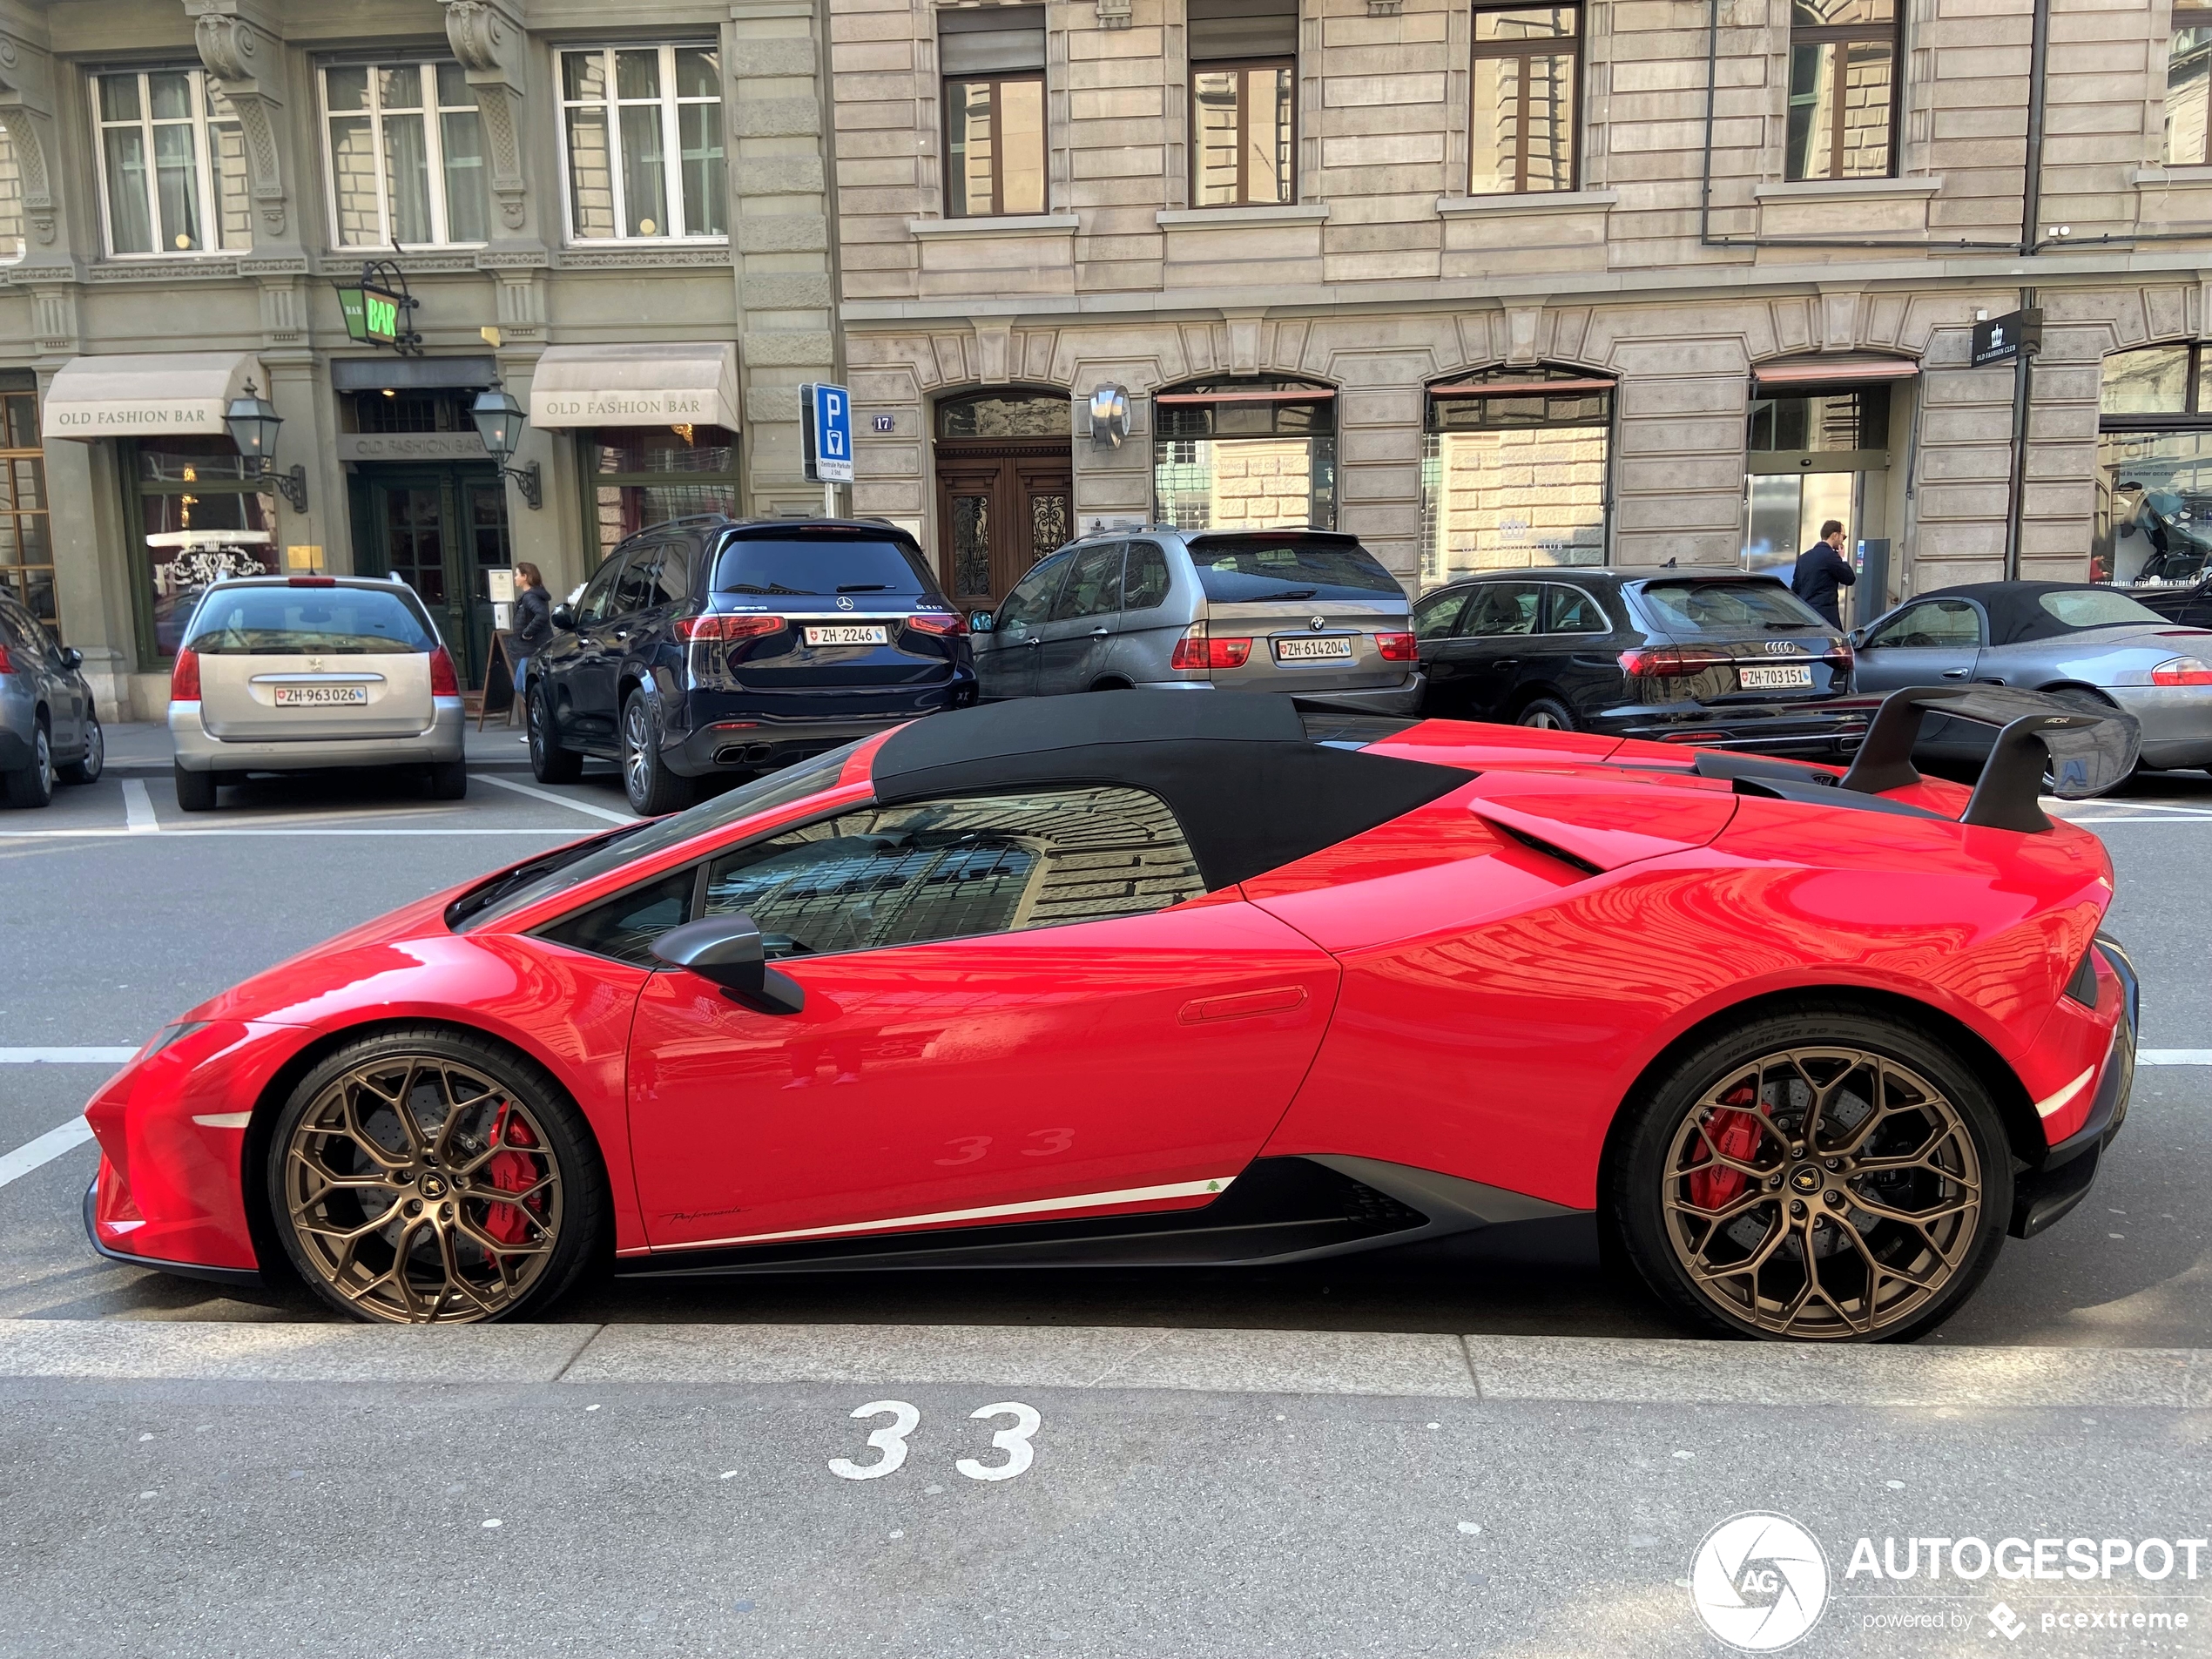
[(2083, 752)]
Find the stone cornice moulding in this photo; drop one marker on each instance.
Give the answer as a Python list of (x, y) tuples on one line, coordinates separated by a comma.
[(244, 56), (487, 35), (1813, 189), (27, 111), (1010, 225), (1538, 201), (1172, 219)]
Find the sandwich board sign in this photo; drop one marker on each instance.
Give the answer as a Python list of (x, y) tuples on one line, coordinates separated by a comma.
[(825, 425)]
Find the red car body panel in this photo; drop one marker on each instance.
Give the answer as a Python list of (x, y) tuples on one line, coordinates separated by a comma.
[(1473, 989)]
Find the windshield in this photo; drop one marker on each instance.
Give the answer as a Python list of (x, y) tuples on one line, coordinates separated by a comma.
[(290, 621), (1289, 567), (821, 565), (2096, 607), (573, 865), (1688, 606)]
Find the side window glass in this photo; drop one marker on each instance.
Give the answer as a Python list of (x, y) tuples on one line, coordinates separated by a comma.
[(1093, 584), (1573, 611), (957, 868), (593, 607), (1436, 616), (1496, 608), (1025, 607), (638, 586), (674, 577), (625, 926), (1937, 623), (1144, 582)]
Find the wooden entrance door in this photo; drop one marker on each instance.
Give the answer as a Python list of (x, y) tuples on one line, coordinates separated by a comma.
[(1000, 507), (443, 531)]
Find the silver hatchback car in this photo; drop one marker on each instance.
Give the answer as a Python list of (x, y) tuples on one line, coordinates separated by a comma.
[(1301, 610), (292, 673)]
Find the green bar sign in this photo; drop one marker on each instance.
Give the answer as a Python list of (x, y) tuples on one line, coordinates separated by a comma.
[(350, 304), (380, 316)]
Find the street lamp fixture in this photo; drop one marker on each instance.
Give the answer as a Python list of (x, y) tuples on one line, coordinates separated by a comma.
[(499, 423), (254, 422)]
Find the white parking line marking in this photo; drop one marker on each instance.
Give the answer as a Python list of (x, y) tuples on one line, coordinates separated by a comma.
[(536, 793), (95, 1055), (137, 808), (43, 1150), (2174, 1057)]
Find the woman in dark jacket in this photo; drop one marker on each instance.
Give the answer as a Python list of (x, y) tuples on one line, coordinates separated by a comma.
[(532, 620)]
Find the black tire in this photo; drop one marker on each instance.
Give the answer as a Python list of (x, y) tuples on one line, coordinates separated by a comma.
[(449, 780), (1547, 713), (87, 767), (195, 791), (33, 784), (549, 762), (1780, 1201), (484, 1090), (652, 789)]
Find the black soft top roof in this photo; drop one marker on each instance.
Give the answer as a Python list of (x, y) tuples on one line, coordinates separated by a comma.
[(2015, 609), (1252, 789)]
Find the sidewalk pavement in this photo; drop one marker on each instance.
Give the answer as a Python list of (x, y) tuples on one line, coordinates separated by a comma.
[(142, 746)]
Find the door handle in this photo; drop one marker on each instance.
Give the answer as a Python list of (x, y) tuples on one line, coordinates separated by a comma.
[(1101, 633), (1033, 644), (1506, 662), (1279, 999), (1956, 673)]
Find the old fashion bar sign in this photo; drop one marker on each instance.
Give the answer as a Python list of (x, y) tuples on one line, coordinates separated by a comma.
[(169, 392), (626, 408)]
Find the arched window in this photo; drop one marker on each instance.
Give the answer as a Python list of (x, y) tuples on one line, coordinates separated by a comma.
[(1004, 414), (1513, 471), (1245, 453)]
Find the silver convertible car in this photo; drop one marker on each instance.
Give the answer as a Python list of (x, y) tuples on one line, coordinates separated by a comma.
[(2091, 645)]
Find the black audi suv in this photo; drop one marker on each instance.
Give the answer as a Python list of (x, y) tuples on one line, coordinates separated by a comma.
[(707, 646), (1719, 658)]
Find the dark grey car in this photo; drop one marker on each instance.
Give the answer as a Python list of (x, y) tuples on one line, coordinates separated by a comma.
[(48, 727)]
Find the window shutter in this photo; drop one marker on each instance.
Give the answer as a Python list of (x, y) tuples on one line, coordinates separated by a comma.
[(1222, 29), (991, 40)]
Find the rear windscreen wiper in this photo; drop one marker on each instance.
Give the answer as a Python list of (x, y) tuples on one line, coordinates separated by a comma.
[(1288, 593), (773, 587), (864, 587)]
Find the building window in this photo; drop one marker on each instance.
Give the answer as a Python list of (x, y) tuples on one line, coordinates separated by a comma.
[(1526, 82), (1514, 472), (11, 243), (642, 155), (405, 153), (172, 164), (1816, 453), (1842, 89), (2153, 524), (1245, 455), (993, 60), (202, 515), (2188, 111), (1244, 124), (26, 542), (643, 475)]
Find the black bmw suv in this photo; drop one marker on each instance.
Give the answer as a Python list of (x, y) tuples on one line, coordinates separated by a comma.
[(705, 645)]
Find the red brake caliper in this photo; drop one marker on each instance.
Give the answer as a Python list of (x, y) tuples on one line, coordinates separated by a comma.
[(510, 1171), (1735, 1134)]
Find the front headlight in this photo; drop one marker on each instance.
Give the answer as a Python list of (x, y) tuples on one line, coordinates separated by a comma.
[(170, 1034)]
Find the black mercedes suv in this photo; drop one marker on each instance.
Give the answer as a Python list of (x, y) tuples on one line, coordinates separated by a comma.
[(705, 645)]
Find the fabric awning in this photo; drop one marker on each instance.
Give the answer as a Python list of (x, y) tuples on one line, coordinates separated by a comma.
[(691, 384), (131, 397), (1831, 371)]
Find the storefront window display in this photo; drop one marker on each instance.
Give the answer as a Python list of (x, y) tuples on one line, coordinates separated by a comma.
[(26, 542), (1814, 452), (642, 475), (2154, 467), (201, 516), (1514, 472), (1245, 455)]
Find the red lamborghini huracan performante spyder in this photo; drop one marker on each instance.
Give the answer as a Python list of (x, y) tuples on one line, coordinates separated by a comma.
[(1158, 979)]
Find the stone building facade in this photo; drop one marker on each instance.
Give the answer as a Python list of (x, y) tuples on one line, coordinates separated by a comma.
[(618, 214), (1673, 323)]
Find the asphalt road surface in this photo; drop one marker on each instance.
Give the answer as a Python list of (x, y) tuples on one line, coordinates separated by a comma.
[(1287, 1490)]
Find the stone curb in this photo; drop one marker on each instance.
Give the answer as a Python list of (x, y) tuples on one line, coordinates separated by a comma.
[(1556, 1369)]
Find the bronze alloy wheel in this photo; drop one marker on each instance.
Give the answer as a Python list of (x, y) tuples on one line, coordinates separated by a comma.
[(421, 1190), (1822, 1193)]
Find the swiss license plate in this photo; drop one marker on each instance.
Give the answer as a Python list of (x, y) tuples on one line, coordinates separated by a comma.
[(849, 633), (320, 697), (1774, 680), (1313, 651)]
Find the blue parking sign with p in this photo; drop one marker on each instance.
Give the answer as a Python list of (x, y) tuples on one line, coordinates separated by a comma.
[(828, 433)]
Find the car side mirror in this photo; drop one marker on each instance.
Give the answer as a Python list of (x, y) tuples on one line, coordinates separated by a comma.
[(981, 622), (564, 617), (72, 658), (1858, 637), (727, 950)]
